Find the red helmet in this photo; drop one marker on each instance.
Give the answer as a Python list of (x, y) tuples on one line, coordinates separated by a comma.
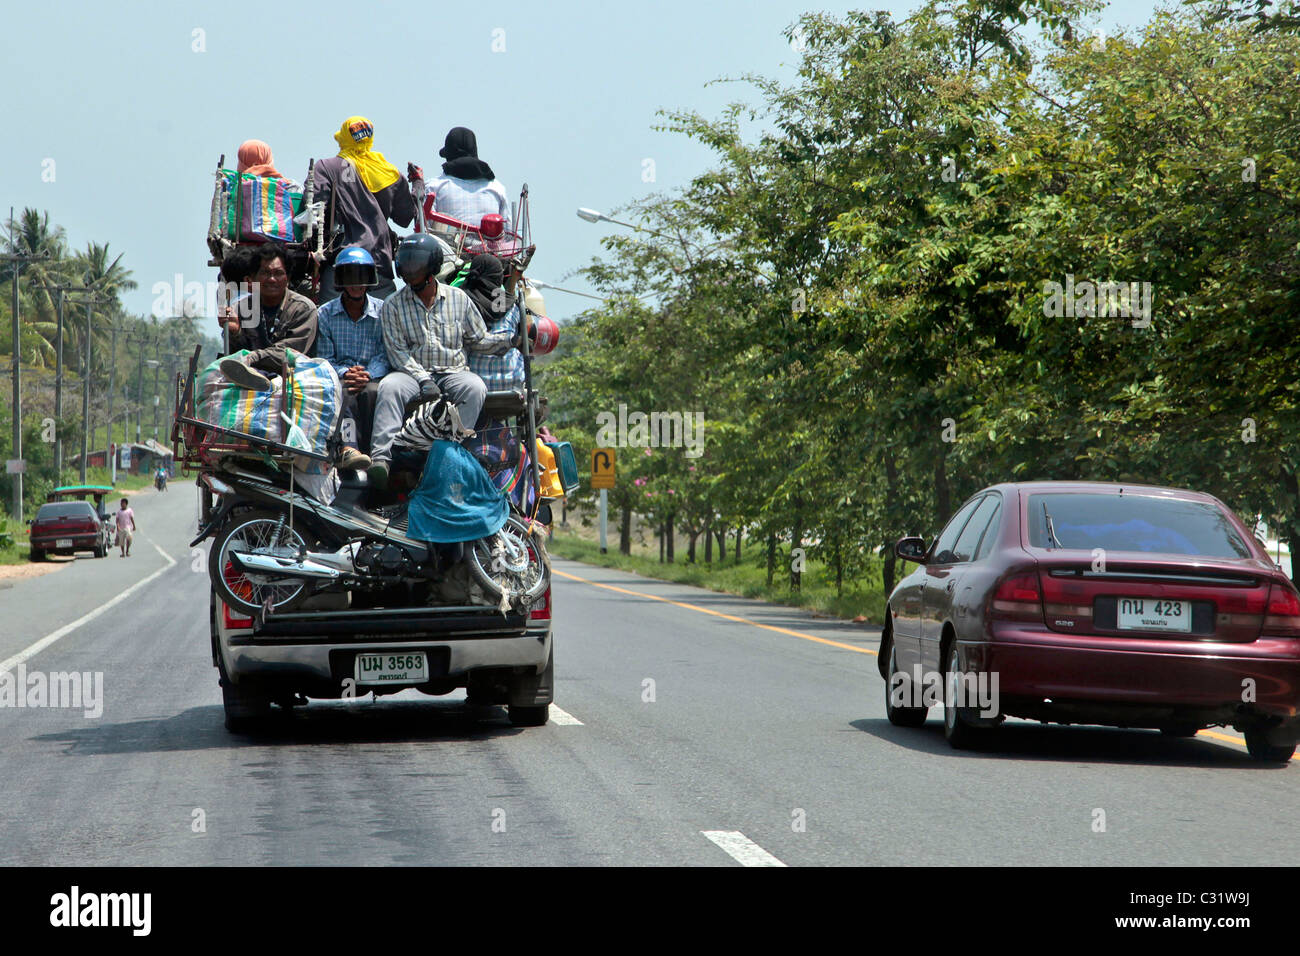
[(492, 226), (548, 335)]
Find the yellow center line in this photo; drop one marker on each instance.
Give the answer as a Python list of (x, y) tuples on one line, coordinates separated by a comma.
[(785, 630), (1218, 736), (725, 617)]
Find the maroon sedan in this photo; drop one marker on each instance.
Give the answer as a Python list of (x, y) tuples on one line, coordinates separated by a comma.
[(65, 527), (1092, 603)]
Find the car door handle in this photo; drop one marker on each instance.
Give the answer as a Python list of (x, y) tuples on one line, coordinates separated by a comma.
[(952, 584)]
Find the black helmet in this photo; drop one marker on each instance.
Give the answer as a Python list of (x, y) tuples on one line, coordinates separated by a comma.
[(419, 257)]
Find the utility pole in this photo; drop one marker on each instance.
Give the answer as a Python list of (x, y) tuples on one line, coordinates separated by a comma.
[(85, 395), (157, 367), (85, 389), (58, 381), (112, 368), (139, 398), (18, 259)]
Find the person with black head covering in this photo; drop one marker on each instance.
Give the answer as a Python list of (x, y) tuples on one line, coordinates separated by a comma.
[(467, 190), (483, 281)]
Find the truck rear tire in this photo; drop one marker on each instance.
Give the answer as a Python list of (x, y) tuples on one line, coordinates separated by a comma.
[(536, 716), (526, 690), (246, 711)]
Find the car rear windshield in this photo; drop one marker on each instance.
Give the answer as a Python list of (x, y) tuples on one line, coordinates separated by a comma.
[(65, 509), (1134, 523)]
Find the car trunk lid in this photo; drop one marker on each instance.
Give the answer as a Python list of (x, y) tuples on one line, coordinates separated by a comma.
[(1152, 596)]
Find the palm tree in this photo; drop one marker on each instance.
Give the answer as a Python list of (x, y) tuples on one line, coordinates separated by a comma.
[(32, 234), (109, 278)]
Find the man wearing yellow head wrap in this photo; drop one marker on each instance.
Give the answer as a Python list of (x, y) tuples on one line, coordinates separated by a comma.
[(362, 191), (355, 138)]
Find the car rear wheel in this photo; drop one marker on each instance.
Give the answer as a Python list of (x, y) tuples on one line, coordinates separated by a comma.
[(900, 716), (956, 730), (37, 554), (1259, 746)]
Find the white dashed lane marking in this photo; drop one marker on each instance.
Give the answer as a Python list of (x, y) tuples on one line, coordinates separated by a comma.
[(564, 717), (742, 849)]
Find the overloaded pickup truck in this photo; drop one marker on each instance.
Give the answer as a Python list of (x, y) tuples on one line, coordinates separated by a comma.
[(320, 591)]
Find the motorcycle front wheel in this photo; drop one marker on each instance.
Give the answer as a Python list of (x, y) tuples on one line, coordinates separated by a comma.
[(255, 532), (511, 562)]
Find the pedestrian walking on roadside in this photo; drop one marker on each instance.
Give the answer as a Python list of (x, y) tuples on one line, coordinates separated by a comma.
[(125, 527)]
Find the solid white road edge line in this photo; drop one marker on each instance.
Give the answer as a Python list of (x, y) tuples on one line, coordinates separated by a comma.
[(563, 717), (742, 849), (48, 639)]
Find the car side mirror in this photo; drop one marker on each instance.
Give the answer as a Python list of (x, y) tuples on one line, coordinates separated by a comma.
[(912, 549)]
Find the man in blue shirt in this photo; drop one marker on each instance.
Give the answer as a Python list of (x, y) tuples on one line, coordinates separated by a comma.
[(350, 338)]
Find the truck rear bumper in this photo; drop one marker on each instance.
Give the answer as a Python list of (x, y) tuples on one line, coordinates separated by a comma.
[(331, 661)]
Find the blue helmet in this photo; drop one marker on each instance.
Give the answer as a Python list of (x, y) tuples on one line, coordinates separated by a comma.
[(355, 266)]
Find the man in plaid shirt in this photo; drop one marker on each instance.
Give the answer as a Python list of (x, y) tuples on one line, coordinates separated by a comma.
[(427, 326), (349, 337)]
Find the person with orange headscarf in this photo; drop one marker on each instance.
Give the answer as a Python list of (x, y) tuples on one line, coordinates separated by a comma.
[(362, 191), (255, 159)]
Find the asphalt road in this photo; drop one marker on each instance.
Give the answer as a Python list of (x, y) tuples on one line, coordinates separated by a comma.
[(766, 728)]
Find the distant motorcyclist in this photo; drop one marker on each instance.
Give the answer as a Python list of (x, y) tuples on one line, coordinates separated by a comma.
[(160, 478)]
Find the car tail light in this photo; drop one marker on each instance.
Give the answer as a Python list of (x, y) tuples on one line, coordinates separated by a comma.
[(542, 612), (232, 620), (1283, 616), (1018, 597)]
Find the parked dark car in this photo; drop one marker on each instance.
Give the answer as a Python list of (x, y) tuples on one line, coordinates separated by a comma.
[(1093, 603), (65, 527)]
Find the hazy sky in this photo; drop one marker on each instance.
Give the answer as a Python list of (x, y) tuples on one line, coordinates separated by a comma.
[(133, 116)]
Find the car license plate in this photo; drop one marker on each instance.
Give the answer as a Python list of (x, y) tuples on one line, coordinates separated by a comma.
[(1154, 614), (63, 543), (392, 667)]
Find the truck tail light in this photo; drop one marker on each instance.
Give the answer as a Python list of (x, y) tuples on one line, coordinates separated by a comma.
[(233, 620), (542, 612)]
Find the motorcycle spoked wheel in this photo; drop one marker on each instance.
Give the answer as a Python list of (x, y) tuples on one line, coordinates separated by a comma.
[(511, 562), (252, 531)]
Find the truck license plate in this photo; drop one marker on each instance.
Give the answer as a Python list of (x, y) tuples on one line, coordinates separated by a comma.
[(1152, 614), (392, 667), (63, 543)]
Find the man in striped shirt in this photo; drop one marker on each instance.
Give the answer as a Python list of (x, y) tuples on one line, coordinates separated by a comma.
[(427, 326)]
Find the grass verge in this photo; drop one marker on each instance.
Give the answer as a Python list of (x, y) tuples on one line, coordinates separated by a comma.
[(744, 579)]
